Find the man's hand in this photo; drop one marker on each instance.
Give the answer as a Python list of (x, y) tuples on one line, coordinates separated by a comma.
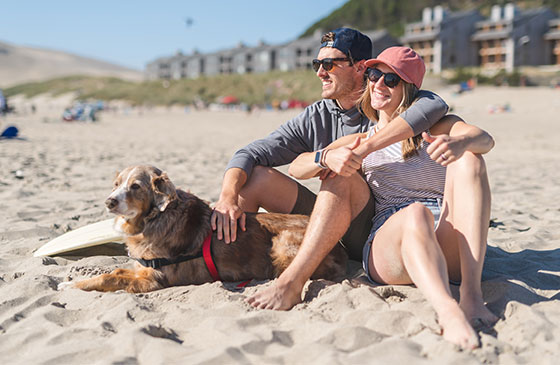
[(343, 160), (224, 220), (445, 149)]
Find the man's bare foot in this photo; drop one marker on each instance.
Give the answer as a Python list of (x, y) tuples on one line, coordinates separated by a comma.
[(277, 297), (476, 312), (456, 328)]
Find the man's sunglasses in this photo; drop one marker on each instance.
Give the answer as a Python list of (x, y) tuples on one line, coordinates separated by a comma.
[(328, 63), (391, 79)]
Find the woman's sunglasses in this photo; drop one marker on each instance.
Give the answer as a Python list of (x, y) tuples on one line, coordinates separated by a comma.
[(328, 63), (391, 79)]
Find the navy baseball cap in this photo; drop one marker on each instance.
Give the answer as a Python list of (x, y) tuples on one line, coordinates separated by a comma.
[(352, 43)]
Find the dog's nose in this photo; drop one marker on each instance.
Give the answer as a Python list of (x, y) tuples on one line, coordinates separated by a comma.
[(110, 203)]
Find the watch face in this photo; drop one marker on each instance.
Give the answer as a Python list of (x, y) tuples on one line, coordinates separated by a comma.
[(317, 157)]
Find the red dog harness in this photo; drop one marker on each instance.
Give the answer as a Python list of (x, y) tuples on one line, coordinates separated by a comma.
[(206, 254)]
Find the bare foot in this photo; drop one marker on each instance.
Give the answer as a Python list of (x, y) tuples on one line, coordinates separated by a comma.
[(456, 328), (277, 297), (476, 312)]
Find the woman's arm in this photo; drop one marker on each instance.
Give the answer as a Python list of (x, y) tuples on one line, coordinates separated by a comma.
[(338, 157), (451, 137)]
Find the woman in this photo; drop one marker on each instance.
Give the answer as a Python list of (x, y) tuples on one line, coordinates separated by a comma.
[(419, 235)]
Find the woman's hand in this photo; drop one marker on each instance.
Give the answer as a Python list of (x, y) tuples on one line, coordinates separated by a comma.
[(444, 149)]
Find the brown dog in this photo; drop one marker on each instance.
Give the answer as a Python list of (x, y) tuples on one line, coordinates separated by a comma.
[(165, 225)]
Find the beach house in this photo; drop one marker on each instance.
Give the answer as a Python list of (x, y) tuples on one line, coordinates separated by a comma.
[(511, 37), (442, 38), (552, 42)]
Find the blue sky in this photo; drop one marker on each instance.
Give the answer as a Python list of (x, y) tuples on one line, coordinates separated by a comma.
[(132, 33)]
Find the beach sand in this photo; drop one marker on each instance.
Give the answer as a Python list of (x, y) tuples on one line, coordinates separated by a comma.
[(58, 177)]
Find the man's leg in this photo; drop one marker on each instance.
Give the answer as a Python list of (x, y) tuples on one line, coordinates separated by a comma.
[(463, 231), (340, 200), (270, 189)]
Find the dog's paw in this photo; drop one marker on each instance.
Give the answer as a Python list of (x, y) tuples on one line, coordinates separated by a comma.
[(66, 285)]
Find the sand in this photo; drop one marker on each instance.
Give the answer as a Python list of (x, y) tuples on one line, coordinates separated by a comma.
[(58, 177)]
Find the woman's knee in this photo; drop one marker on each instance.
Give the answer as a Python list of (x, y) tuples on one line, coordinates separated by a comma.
[(419, 219), (470, 165)]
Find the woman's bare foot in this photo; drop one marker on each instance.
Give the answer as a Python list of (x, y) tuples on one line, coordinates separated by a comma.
[(456, 328), (277, 297), (476, 312)]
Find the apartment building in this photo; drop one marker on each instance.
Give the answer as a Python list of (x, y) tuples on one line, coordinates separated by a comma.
[(507, 39), (552, 41), (442, 38), (512, 37)]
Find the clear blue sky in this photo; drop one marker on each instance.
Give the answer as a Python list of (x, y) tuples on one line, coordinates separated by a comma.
[(132, 33)]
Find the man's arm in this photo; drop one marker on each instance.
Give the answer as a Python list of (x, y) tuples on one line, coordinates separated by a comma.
[(278, 148), (338, 157)]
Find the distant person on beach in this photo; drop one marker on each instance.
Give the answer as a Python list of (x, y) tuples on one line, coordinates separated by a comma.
[(3, 104), (432, 204), (250, 182)]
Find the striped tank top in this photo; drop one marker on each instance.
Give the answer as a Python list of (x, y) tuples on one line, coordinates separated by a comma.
[(394, 180)]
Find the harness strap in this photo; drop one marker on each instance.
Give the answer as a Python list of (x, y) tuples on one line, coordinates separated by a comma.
[(207, 254), (157, 263)]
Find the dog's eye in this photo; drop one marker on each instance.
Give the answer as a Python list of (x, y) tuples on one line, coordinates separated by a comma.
[(135, 186)]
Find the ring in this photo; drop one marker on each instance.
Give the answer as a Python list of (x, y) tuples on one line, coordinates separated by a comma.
[(443, 157)]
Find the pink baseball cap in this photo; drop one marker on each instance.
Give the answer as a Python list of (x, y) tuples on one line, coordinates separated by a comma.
[(404, 62)]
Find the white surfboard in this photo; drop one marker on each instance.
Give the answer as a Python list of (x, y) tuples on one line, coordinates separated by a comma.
[(87, 236)]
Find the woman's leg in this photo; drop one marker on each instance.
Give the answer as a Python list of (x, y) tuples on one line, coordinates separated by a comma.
[(463, 231), (405, 250)]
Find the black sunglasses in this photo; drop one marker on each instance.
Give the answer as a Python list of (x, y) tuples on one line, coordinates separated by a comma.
[(328, 63), (391, 79)]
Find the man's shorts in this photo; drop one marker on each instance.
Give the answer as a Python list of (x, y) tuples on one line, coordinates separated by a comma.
[(356, 235)]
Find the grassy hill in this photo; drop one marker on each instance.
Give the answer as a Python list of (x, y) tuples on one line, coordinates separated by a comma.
[(250, 88)]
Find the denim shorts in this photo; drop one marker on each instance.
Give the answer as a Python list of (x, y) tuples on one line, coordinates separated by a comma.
[(434, 205)]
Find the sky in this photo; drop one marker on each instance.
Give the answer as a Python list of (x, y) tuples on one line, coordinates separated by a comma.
[(133, 33)]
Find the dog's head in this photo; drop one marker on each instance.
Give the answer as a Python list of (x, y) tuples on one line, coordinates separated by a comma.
[(138, 190)]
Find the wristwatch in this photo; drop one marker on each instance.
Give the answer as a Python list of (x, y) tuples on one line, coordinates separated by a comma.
[(319, 159)]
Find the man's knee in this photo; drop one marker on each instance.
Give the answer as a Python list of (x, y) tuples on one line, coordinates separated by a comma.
[(354, 189), (345, 184)]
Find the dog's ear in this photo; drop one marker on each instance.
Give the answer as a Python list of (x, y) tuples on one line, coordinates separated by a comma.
[(164, 191)]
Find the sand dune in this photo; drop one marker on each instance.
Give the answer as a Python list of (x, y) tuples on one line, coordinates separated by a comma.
[(20, 64), (67, 171)]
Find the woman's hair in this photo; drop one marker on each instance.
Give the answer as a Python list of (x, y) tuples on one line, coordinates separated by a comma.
[(410, 145)]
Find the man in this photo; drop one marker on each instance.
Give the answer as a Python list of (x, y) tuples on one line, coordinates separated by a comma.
[(250, 182)]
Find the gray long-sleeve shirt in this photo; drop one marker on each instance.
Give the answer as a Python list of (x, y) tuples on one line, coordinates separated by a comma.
[(322, 123)]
